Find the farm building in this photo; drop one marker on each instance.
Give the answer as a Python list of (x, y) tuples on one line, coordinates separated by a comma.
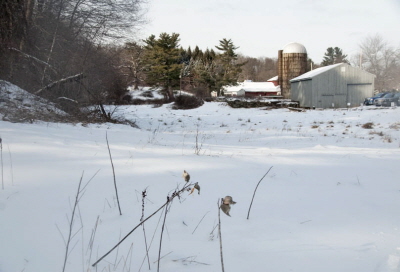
[(274, 80), (292, 62), (252, 89), (334, 86)]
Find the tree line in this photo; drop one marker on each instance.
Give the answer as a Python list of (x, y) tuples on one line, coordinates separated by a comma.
[(161, 62), (79, 53)]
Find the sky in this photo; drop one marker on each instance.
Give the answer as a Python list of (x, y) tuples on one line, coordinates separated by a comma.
[(260, 27)]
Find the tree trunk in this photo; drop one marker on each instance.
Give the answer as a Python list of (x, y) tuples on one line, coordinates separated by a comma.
[(171, 97)]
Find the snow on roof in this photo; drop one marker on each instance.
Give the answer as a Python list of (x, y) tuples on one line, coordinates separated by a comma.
[(275, 78), (315, 72), (249, 86), (294, 48)]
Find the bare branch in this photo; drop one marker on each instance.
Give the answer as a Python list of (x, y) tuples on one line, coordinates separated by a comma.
[(64, 80)]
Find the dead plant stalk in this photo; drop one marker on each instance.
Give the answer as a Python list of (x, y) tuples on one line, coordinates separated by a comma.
[(115, 181), (1, 156), (251, 203), (169, 199), (219, 234)]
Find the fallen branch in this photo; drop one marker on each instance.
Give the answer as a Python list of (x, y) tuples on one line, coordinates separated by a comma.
[(63, 80), (200, 222), (163, 257), (251, 203), (169, 199), (30, 57), (296, 109), (68, 99)]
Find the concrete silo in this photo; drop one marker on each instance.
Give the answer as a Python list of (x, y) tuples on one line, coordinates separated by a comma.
[(292, 62)]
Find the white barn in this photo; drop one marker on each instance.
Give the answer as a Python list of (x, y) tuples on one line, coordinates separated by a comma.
[(334, 86)]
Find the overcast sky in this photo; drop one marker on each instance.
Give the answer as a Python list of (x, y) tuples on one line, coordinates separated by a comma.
[(261, 27)]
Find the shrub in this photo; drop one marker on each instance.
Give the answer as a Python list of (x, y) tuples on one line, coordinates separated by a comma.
[(148, 94), (184, 102)]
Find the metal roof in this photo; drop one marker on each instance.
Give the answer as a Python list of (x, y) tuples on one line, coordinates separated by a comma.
[(315, 72)]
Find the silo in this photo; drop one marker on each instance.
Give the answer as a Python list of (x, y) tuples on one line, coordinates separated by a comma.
[(292, 62)]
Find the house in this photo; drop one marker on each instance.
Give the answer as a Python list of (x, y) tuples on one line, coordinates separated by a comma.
[(233, 90), (274, 80), (334, 86), (252, 89)]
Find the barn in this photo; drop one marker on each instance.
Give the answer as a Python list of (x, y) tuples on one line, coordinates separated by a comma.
[(334, 86)]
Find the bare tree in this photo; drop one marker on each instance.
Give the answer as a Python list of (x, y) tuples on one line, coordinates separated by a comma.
[(257, 69), (67, 48), (381, 59), (133, 63)]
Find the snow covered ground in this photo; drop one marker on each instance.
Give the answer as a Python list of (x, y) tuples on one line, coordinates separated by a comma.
[(330, 202), (18, 105)]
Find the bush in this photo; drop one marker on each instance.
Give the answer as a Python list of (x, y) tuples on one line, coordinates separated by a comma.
[(184, 102), (368, 125)]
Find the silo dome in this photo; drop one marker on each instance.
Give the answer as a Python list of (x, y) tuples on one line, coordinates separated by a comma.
[(294, 48)]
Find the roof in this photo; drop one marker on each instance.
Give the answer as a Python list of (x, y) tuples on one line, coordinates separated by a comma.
[(294, 48), (249, 86), (313, 73), (275, 78)]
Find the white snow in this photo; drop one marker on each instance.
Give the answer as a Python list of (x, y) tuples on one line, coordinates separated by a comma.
[(330, 202), (141, 93), (16, 103), (249, 86), (315, 72)]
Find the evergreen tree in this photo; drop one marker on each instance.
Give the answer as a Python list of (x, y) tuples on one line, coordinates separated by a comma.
[(197, 52), (333, 56), (228, 69), (162, 58), (339, 56), (329, 58)]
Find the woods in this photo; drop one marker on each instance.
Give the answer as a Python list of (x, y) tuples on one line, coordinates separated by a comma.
[(79, 53), (61, 49)]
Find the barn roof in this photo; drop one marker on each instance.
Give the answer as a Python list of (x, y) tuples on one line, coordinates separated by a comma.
[(275, 78), (313, 73)]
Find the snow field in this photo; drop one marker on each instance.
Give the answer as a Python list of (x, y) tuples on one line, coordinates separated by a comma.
[(330, 202)]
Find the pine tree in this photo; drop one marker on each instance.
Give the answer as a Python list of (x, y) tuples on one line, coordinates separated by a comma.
[(228, 69), (339, 56), (329, 58), (333, 56), (162, 58)]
